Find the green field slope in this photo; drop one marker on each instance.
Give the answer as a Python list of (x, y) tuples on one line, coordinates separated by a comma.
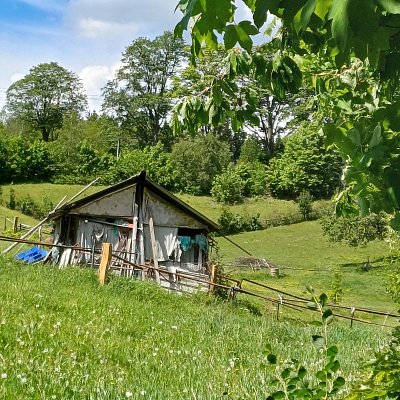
[(62, 336), (305, 257)]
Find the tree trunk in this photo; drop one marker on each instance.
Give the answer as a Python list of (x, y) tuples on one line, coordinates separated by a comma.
[(45, 134)]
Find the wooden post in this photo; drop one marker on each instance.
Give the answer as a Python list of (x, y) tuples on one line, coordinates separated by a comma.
[(278, 308), (134, 235), (15, 224), (154, 247), (40, 233), (140, 231), (106, 254), (352, 312), (212, 278)]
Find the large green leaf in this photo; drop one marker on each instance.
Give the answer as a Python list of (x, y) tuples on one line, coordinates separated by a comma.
[(248, 27), (306, 13), (376, 137), (261, 12), (322, 8), (230, 37), (340, 23), (392, 6), (243, 38)]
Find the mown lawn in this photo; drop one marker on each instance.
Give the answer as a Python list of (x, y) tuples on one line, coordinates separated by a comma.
[(53, 192), (62, 336)]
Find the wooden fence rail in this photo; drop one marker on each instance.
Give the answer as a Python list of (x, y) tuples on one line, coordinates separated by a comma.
[(294, 302)]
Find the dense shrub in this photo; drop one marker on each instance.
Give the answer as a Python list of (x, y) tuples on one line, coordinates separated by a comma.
[(197, 161), (305, 164), (393, 285), (22, 161), (250, 152), (355, 231), (234, 223), (228, 187), (254, 178), (37, 210), (153, 159), (304, 202)]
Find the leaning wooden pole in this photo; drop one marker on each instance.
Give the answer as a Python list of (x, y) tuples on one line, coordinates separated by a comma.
[(27, 234), (81, 191), (154, 247)]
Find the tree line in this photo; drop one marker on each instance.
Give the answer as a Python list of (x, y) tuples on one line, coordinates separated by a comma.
[(147, 122)]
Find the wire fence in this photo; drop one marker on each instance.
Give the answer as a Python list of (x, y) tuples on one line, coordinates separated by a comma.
[(233, 287)]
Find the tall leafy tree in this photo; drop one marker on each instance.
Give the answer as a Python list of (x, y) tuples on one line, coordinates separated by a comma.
[(237, 92), (139, 95), (44, 97), (364, 125), (305, 164), (196, 82)]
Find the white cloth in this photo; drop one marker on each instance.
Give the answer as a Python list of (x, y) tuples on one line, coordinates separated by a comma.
[(166, 242)]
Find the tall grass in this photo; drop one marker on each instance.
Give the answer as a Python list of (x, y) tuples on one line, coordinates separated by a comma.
[(64, 337)]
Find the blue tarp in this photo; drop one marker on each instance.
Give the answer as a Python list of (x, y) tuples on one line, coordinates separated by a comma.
[(32, 255)]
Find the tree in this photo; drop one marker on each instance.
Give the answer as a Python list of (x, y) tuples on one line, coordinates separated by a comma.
[(197, 161), (304, 165), (245, 103), (363, 128), (139, 96), (44, 97), (196, 81)]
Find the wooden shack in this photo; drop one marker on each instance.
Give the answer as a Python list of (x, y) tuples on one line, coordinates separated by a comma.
[(147, 226)]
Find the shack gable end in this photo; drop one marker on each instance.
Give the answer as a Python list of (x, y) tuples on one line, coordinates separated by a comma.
[(116, 204), (166, 214)]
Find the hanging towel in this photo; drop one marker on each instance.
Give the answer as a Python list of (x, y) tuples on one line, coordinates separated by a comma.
[(186, 242), (202, 242)]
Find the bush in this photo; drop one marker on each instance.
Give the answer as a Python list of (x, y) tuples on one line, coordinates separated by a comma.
[(383, 381), (393, 286), (153, 159), (198, 161), (305, 164), (355, 231), (304, 202), (234, 223), (24, 162), (32, 208), (228, 187), (253, 175), (11, 203)]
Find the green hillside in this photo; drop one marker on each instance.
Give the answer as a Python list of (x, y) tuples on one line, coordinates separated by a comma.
[(302, 253), (63, 336)]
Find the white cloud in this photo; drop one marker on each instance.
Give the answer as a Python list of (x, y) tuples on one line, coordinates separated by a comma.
[(97, 29), (47, 5), (94, 18), (94, 78)]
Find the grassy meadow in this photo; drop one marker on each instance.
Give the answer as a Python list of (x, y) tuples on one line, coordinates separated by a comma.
[(268, 208), (62, 336), (303, 254), (53, 192)]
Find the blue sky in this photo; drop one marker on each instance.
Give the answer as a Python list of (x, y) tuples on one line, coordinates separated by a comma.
[(84, 36)]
